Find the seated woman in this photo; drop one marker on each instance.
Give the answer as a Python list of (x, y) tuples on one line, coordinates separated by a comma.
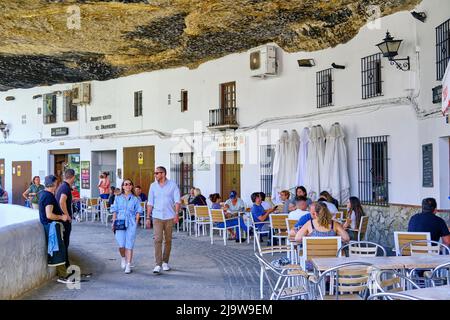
[(301, 192), (284, 206), (216, 200), (321, 225), (199, 199), (355, 212), (3, 196), (329, 198)]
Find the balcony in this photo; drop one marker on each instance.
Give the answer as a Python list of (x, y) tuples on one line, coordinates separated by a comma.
[(223, 119)]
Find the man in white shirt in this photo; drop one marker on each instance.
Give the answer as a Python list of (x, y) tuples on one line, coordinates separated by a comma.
[(331, 207), (163, 196), (302, 209)]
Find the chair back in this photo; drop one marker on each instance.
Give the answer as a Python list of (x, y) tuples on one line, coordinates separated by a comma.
[(143, 205), (363, 224), (216, 215), (290, 224), (391, 296), (191, 209), (92, 202), (278, 221), (441, 270), (419, 247), (201, 212), (362, 249), (401, 238), (339, 215), (391, 281), (320, 247)]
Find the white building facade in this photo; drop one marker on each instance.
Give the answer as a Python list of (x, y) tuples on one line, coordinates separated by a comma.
[(401, 111)]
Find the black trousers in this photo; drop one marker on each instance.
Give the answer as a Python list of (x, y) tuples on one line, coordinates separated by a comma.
[(67, 231)]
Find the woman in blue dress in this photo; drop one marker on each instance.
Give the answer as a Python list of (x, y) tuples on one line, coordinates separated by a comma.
[(126, 207)]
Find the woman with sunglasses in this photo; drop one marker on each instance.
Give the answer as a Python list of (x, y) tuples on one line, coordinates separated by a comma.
[(126, 211)]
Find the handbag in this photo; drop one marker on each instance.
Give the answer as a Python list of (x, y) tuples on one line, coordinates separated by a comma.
[(119, 225)]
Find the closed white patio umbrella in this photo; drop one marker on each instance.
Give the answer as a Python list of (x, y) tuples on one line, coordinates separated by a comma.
[(336, 180), (279, 165), (314, 162), (302, 158), (292, 160)]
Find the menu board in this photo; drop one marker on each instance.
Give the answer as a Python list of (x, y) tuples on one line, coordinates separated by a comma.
[(85, 167), (427, 165)]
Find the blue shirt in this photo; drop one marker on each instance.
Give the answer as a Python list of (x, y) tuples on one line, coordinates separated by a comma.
[(216, 206), (304, 219), (428, 222), (163, 199), (257, 211), (126, 208), (47, 198)]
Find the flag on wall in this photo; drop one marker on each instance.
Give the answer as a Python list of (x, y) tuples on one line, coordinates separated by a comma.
[(445, 89)]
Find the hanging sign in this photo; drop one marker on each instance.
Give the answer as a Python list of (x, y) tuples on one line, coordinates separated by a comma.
[(445, 93), (140, 158), (85, 167)]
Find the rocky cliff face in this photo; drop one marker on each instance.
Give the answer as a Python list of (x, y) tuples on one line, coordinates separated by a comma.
[(43, 42)]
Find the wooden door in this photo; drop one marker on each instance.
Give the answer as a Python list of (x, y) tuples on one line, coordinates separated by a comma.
[(230, 173), (139, 165), (21, 179), (2, 173)]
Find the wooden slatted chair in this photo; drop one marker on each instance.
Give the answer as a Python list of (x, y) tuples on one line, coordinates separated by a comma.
[(419, 247), (361, 249), (401, 238), (290, 224), (217, 216), (105, 213), (91, 206), (257, 233), (348, 281), (339, 216), (362, 229), (201, 219), (278, 226), (190, 217), (319, 247), (391, 281)]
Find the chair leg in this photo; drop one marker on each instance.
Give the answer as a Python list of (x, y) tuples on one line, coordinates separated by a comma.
[(224, 237), (212, 236), (261, 284)]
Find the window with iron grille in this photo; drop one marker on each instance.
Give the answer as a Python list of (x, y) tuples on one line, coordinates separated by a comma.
[(324, 85), (49, 108), (182, 171), (371, 81), (267, 154), (373, 179), (70, 110), (184, 100), (437, 94), (442, 48), (138, 104)]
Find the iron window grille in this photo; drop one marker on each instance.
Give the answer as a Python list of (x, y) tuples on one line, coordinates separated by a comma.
[(182, 171), (442, 48), (138, 104), (324, 88), (371, 80), (267, 155), (373, 182), (49, 108), (437, 94), (70, 110)]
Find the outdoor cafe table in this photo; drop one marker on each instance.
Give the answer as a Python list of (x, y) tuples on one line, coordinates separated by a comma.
[(433, 293), (384, 263)]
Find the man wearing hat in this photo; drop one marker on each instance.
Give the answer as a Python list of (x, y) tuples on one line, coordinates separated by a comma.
[(234, 204), (428, 221)]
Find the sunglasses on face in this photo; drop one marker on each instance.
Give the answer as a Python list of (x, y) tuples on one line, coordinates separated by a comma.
[(127, 184), (158, 172)]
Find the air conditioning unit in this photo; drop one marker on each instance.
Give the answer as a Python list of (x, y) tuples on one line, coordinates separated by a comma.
[(81, 93), (263, 61)]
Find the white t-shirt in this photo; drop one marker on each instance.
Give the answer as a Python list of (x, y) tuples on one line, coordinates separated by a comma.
[(353, 223), (266, 205), (297, 214), (331, 207)]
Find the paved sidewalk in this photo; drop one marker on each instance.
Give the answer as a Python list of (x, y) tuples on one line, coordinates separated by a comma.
[(200, 270)]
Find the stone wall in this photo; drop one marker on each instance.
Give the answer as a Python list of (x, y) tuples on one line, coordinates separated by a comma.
[(385, 220), (23, 258)]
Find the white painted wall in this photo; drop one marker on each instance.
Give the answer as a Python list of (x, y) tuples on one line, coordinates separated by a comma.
[(291, 95)]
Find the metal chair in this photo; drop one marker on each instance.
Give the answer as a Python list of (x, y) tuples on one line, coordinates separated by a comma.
[(92, 206), (319, 247), (290, 283), (190, 217), (362, 229), (401, 238), (257, 233), (418, 247), (439, 276), (217, 216), (361, 249), (278, 226), (144, 214), (348, 281), (201, 219), (391, 296), (391, 281), (104, 211)]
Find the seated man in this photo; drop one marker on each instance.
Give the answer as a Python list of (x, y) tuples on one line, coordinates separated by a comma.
[(138, 192), (428, 221), (302, 209), (284, 206), (259, 214), (300, 223), (3, 196)]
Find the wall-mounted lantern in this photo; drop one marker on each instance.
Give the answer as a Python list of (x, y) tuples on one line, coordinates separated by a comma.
[(389, 47)]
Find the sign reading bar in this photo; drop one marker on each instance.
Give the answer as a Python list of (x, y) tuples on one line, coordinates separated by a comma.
[(427, 165), (63, 131), (85, 167)]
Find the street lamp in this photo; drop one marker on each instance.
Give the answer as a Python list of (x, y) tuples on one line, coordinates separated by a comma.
[(389, 47)]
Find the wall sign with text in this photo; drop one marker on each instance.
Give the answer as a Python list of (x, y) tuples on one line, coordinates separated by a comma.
[(85, 168)]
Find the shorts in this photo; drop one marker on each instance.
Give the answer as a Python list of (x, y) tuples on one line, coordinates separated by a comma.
[(125, 238)]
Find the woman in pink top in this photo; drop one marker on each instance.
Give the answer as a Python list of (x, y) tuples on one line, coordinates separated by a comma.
[(104, 185)]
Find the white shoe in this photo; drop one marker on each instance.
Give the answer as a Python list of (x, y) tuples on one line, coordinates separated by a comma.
[(165, 267), (127, 268), (123, 263), (157, 269)]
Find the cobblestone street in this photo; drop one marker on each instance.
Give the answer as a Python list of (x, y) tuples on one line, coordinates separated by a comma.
[(199, 270)]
